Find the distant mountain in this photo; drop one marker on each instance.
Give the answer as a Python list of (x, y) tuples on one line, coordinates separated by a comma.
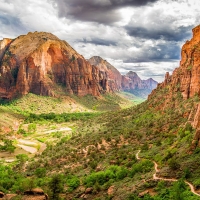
[(130, 82)]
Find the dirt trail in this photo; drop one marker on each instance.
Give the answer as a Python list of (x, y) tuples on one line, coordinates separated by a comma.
[(31, 146), (59, 130), (27, 142), (155, 177), (32, 150)]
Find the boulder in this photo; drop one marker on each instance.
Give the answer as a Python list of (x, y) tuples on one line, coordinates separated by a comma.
[(89, 190)]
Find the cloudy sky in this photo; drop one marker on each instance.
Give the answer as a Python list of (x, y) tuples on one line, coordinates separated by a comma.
[(144, 36)]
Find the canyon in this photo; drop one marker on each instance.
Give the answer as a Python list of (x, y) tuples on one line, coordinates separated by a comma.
[(147, 151), (129, 82), (42, 64)]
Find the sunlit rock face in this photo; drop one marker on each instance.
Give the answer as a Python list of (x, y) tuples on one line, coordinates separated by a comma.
[(130, 82), (40, 62), (114, 78), (184, 82), (186, 78)]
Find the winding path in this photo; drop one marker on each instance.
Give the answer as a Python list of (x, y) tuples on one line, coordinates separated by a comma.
[(59, 130), (155, 177)]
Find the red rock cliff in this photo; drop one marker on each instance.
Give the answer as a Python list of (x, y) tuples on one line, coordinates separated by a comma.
[(39, 63), (130, 82), (185, 79), (114, 77), (184, 83)]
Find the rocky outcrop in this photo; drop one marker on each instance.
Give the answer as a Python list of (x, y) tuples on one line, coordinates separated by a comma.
[(34, 194), (185, 79), (2, 195), (113, 75), (42, 64), (132, 83), (4, 44)]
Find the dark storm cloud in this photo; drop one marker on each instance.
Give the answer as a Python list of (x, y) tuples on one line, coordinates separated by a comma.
[(98, 41), (169, 34), (101, 11), (4, 20), (159, 53), (11, 23)]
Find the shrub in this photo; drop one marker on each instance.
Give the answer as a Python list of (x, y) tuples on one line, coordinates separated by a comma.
[(32, 128), (121, 174), (8, 146), (173, 164), (73, 182), (55, 186), (113, 173), (40, 172)]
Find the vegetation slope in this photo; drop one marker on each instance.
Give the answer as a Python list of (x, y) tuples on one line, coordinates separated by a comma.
[(96, 160)]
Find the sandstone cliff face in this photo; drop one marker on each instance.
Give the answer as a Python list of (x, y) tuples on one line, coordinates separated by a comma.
[(184, 83), (114, 77), (39, 62), (185, 79), (130, 82), (4, 44)]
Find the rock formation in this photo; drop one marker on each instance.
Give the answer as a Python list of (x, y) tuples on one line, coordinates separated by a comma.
[(113, 75), (43, 64), (34, 194), (184, 83), (130, 82), (185, 79), (133, 81), (40, 63)]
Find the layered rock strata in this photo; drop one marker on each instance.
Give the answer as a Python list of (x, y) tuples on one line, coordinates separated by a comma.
[(114, 78), (130, 82), (39, 62), (185, 79), (184, 83)]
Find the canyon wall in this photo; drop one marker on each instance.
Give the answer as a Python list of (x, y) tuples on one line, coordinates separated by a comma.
[(40, 63), (130, 82)]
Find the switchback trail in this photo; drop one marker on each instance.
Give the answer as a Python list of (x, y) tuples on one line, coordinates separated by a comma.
[(155, 177)]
